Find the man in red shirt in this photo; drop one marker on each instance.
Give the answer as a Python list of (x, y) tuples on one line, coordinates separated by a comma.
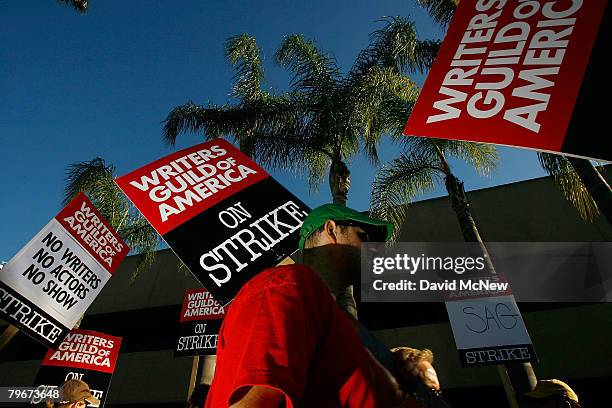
[(285, 341)]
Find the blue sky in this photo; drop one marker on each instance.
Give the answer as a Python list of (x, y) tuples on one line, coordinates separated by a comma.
[(74, 87)]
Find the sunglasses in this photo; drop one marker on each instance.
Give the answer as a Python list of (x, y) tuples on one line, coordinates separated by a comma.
[(363, 235)]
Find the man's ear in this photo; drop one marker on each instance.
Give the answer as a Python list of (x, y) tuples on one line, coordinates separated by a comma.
[(330, 229)]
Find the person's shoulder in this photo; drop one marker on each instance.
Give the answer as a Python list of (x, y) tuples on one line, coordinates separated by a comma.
[(294, 280), (280, 276), (281, 290)]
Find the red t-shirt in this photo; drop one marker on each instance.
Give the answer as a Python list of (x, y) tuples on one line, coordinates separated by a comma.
[(284, 330)]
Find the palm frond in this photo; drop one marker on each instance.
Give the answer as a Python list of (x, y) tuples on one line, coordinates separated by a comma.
[(381, 102), (381, 96), (244, 54), (399, 183), (212, 121), (283, 149), (396, 46), (244, 123), (481, 156), (314, 72), (144, 240), (425, 53), (441, 11), (569, 183), (96, 179), (82, 176), (78, 5), (423, 146), (318, 165), (271, 130)]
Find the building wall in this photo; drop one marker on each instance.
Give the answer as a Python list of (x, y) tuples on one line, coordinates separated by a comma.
[(532, 211)]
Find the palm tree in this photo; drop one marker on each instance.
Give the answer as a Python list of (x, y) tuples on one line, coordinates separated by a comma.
[(96, 178), (79, 5), (325, 118), (522, 374), (581, 183), (423, 166)]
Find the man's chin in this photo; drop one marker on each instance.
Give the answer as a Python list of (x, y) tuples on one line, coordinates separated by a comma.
[(347, 262), (342, 260)]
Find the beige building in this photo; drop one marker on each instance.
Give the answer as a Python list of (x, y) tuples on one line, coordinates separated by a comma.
[(571, 340)]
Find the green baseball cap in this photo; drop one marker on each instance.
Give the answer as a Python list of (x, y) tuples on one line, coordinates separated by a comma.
[(380, 230)]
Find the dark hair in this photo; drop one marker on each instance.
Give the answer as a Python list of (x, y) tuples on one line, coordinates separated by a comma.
[(571, 402), (311, 240), (558, 400)]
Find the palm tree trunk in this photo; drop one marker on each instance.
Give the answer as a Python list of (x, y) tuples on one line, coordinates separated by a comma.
[(339, 181), (596, 185), (7, 335), (461, 206), (339, 184), (521, 375)]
